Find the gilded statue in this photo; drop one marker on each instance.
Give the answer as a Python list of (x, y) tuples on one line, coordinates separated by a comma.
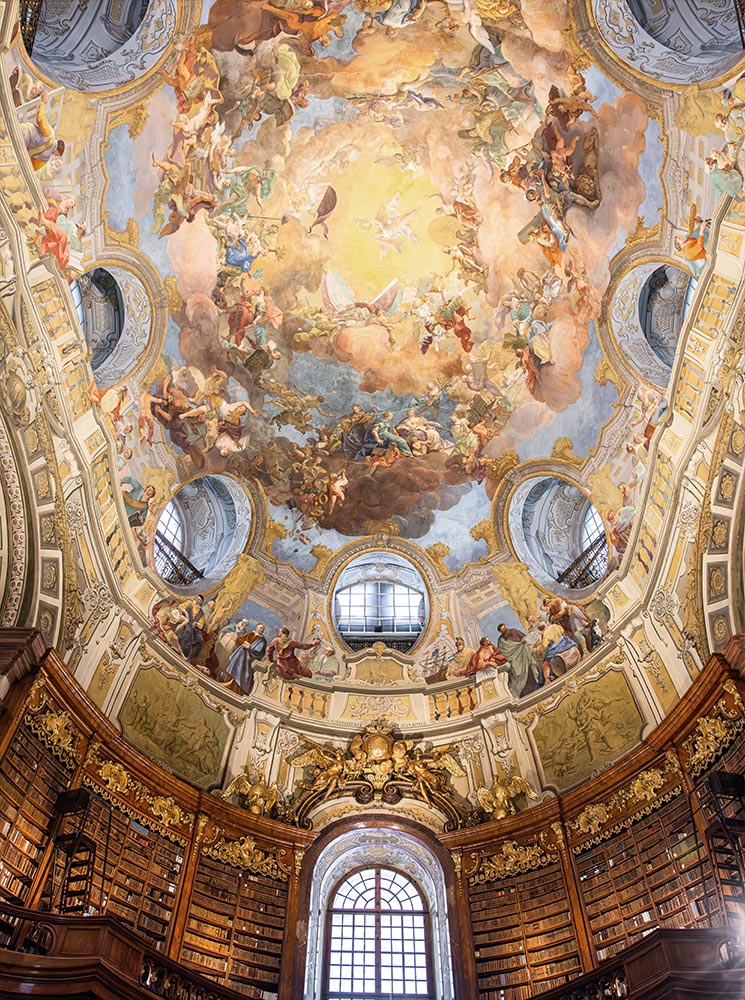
[(253, 792), (499, 800), (426, 770), (331, 768), (378, 766)]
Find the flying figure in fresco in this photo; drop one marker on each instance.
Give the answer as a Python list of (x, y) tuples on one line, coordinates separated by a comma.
[(389, 228)]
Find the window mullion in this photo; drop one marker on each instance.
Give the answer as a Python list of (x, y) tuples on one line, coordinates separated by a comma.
[(378, 958)]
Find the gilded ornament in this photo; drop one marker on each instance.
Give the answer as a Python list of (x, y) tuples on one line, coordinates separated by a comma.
[(166, 810), (721, 628), (646, 785), (507, 788), (501, 465), (115, 784), (115, 777), (727, 487), (245, 855), (710, 739), (377, 767), (484, 531), (43, 488), (252, 791), (563, 451), (55, 730), (719, 534), (46, 623), (591, 819), (438, 553), (737, 441), (717, 582), (49, 576), (514, 859), (32, 440)]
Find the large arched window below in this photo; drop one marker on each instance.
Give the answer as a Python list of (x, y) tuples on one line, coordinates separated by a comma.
[(378, 939), (378, 923)]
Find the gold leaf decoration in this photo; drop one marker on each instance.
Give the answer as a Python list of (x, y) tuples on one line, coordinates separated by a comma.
[(245, 855), (514, 859)]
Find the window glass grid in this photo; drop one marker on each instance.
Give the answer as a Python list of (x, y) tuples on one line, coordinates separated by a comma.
[(377, 941), (171, 527), (379, 606)]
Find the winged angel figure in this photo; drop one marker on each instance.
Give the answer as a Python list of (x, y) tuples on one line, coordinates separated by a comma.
[(339, 301), (390, 228), (331, 768), (257, 796), (499, 800), (425, 769)]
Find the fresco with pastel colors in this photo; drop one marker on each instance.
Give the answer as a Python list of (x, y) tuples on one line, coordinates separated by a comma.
[(384, 228)]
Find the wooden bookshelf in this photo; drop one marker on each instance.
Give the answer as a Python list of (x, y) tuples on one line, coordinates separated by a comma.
[(142, 871), (655, 874), (523, 935), (29, 783), (235, 928)]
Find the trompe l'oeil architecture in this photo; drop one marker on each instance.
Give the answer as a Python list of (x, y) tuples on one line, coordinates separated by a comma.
[(372, 435)]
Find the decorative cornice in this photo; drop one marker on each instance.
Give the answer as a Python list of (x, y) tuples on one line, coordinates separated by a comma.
[(246, 856), (115, 784), (715, 732), (644, 794), (513, 859)]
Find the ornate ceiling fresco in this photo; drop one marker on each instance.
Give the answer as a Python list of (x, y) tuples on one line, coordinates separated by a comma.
[(402, 277)]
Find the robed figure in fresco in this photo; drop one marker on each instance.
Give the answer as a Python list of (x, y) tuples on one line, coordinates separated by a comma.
[(250, 646), (283, 650), (513, 646)]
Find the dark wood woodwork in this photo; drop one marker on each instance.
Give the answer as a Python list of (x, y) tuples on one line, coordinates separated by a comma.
[(464, 972), (30, 776)]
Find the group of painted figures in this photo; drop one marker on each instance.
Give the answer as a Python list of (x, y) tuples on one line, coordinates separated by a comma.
[(556, 639), (230, 400)]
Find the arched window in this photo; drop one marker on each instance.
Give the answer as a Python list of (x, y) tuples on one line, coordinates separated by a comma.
[(100, 309), (99, 45), (201, 532), (378, 939), (557, 531), (663, 303), (380, 597), (168, 546)]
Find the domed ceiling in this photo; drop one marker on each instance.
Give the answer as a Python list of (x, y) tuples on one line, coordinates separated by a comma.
[(385, 235), (378, 273)]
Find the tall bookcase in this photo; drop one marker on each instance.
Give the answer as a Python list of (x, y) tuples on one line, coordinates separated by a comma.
[(655, 874), (29, 783), (142, 871), (523, 935), (235, 928)]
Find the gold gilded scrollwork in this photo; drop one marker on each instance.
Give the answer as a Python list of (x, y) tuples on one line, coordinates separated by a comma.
[(54, 729), (244, 854), (513, 859), (645, 793), (113, 782), (715, 732)]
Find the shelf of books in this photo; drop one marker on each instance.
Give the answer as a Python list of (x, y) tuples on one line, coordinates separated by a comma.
[(29, 783), (524, 935), (235, 928), (142, 870), (655, 874)]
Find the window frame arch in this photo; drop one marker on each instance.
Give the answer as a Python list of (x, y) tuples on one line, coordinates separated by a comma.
[(377, 912), (399, 843), (377, 569)]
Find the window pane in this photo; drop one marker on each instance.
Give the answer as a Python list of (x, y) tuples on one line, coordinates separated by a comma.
[(377, 941)]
